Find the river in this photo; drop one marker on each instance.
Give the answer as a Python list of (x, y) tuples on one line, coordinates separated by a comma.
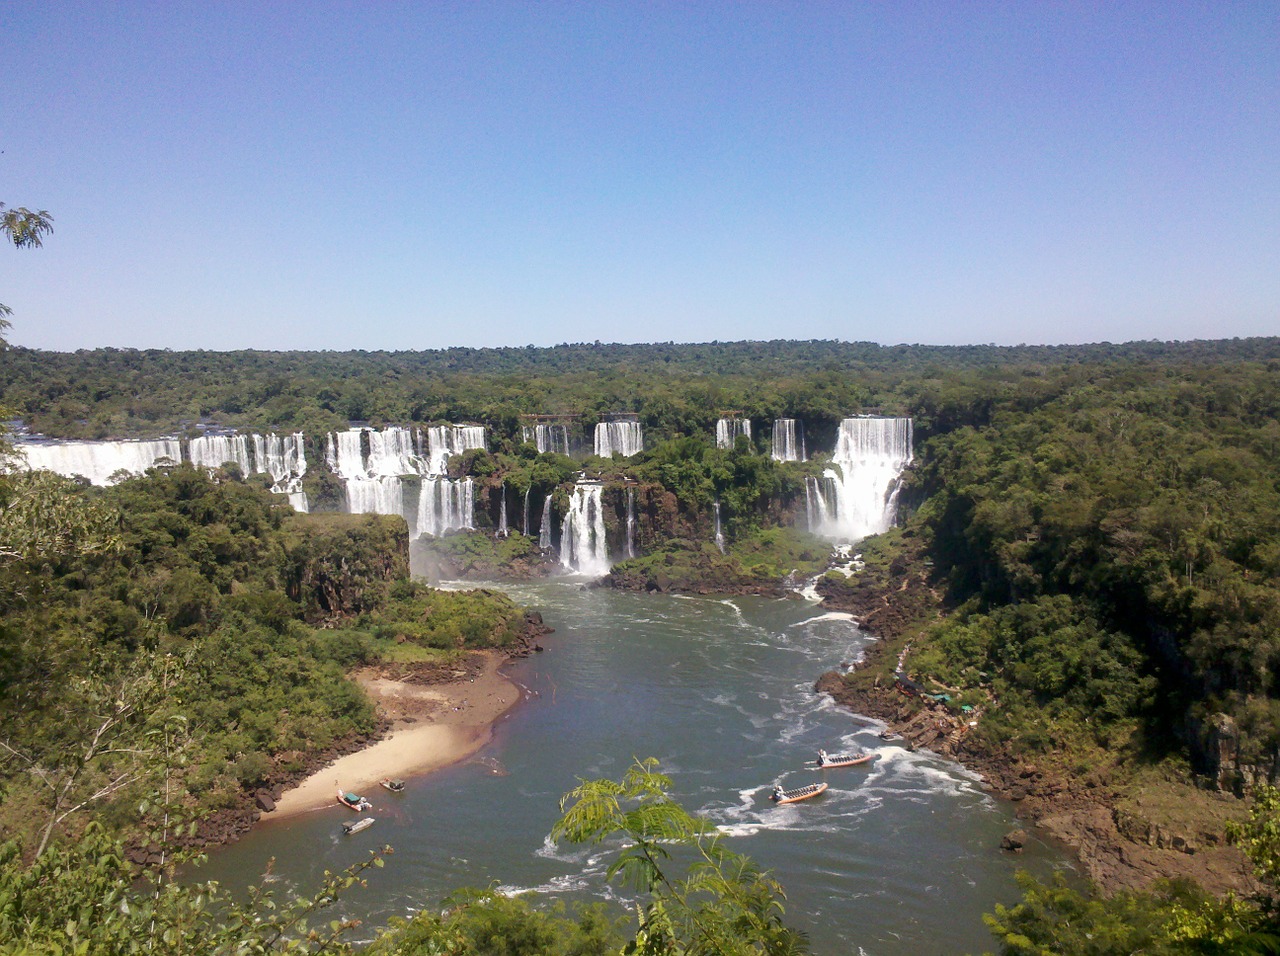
[(899, 858)]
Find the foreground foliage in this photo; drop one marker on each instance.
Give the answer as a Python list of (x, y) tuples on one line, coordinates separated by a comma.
[(85, 899)]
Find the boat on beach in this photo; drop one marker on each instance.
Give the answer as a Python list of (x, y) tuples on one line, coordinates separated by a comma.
[(854, 759), (353, 800), (357, 825), (797, 794), (395, 786)]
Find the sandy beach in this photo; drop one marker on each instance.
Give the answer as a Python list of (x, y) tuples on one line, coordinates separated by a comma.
[(433, 725)]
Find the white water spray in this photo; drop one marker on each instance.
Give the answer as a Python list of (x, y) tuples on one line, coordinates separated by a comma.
[(582, 537)]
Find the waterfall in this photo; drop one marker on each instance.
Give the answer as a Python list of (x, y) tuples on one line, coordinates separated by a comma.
[(383, 495), (819, 493), (619, 438), (373, 463), (869, 457), (728, 430), (582, 539), (719, 537), (444, 505), (552, 439), (99, 461), (214, 451), (502, 520), (282, 457), (526, 510), (785, 447), (344, 455), (446, 440), (544, 534), (631, 522)]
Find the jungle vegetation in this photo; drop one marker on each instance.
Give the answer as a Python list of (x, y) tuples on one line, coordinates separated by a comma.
[(1102, 523)]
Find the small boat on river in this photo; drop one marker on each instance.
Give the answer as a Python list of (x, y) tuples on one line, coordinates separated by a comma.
[(395, 786), (357, 825), (797, 794), (354, 801), (854, 759)]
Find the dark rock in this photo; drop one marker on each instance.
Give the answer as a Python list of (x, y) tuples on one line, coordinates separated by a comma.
[(264, 801), (1014, 841)]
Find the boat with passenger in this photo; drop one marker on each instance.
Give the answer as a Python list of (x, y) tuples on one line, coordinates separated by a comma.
[(852, 759), (797, 794), (395, 786), (353, 800), (355, 826)]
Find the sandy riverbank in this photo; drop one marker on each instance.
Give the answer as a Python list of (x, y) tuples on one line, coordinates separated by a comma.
[(433, 726)]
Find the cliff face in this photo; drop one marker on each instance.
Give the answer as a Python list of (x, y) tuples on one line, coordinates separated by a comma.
[(340, 565)]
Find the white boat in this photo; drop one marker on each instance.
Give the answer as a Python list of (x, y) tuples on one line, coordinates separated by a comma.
[(357, 825)]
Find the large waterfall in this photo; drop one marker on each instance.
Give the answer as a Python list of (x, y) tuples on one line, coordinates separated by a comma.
[(99, 461), (444, 505), (619, 438), (446, 440), (582, 538), (859, 497), (283, 457), (374, 464), (785, 446), (728, 430), (548, 438)]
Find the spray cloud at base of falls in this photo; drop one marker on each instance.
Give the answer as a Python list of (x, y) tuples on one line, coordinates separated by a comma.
[(858, 496)]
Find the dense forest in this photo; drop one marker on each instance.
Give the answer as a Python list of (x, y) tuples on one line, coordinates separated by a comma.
[(1099, 527)]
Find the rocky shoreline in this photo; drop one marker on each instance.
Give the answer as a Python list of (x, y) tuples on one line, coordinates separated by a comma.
[(1106, 826)]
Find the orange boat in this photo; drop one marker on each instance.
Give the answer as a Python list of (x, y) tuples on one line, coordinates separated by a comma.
[(798, 794), (826, 760)]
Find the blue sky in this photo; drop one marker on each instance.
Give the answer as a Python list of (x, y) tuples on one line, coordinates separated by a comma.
[(424, 175)]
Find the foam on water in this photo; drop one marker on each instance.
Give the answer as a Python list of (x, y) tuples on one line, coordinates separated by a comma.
[(827, 616)]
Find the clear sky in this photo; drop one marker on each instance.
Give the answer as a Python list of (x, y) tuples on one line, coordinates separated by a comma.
[(427, 174)]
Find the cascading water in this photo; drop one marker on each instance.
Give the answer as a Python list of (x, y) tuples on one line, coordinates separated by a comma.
[(619, 438), (862, 492), (383, 495), (719, 536), (375, 478), (444, 505), (283, 457), (728, 430), (552, 439), (214, 451), (544, 533), (631, 522), (785, 447), (99, 461), (502, 518), (582, 538), (526, 510), (446, 440)]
